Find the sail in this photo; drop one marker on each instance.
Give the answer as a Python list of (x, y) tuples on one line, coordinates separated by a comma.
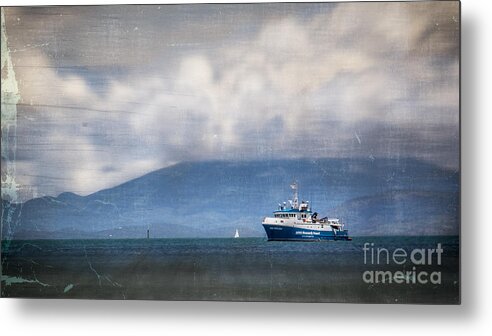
[(236, 235)]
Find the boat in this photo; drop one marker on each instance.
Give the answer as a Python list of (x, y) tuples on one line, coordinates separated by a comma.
[(294, 221), (236, 235)]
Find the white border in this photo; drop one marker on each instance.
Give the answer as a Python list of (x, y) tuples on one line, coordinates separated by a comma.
[(473, 317)]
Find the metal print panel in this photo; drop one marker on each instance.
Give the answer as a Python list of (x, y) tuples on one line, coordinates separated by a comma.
[(304, 152)]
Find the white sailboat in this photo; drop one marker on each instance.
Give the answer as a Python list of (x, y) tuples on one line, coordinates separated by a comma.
[(236, 235)]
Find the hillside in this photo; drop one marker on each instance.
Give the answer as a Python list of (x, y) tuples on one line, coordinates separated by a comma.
[(211, 199)]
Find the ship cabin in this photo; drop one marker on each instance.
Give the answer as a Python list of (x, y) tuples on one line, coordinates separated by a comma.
[(303, 212)]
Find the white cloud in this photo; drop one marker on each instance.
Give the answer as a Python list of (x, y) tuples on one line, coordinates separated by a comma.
[(356, 80)]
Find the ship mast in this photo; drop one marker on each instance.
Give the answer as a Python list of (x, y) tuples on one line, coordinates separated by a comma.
[(295, 200)]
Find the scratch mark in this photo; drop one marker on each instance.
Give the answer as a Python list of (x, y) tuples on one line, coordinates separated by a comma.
[(99, 276), (28, 244), (36, 278), (92, 268), (112, 282), (68, 288), (29, 47), (358, 138), (17, 280)]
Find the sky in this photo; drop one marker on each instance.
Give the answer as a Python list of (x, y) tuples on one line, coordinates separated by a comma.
[(109, 93)]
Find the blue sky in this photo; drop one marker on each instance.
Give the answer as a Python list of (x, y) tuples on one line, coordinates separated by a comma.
[(110, 93)]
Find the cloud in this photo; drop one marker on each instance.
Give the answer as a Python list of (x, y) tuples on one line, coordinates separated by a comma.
[(319, 80)]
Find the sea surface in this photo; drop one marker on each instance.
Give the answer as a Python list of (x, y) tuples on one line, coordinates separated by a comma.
[(243, 269)]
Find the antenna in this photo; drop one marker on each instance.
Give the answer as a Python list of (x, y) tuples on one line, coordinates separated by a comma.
[(295, 201)]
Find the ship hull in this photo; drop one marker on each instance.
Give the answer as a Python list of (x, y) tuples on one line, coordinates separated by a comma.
[(292, 233)]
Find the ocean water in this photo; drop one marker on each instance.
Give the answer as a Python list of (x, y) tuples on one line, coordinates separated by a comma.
[(244, 269)]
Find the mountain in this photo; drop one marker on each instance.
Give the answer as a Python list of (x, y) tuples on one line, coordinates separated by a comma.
[(402, 213), (212, 199)]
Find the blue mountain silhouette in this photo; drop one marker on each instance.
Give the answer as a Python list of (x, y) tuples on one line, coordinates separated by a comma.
[(213, 198)]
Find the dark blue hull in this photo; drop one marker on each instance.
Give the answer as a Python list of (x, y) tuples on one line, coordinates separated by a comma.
[(277, 232)]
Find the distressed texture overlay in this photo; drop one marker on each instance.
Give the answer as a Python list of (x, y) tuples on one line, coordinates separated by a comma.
[(143, 137), (9, 99)]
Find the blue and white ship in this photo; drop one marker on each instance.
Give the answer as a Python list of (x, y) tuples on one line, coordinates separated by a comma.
[(296, 222)]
